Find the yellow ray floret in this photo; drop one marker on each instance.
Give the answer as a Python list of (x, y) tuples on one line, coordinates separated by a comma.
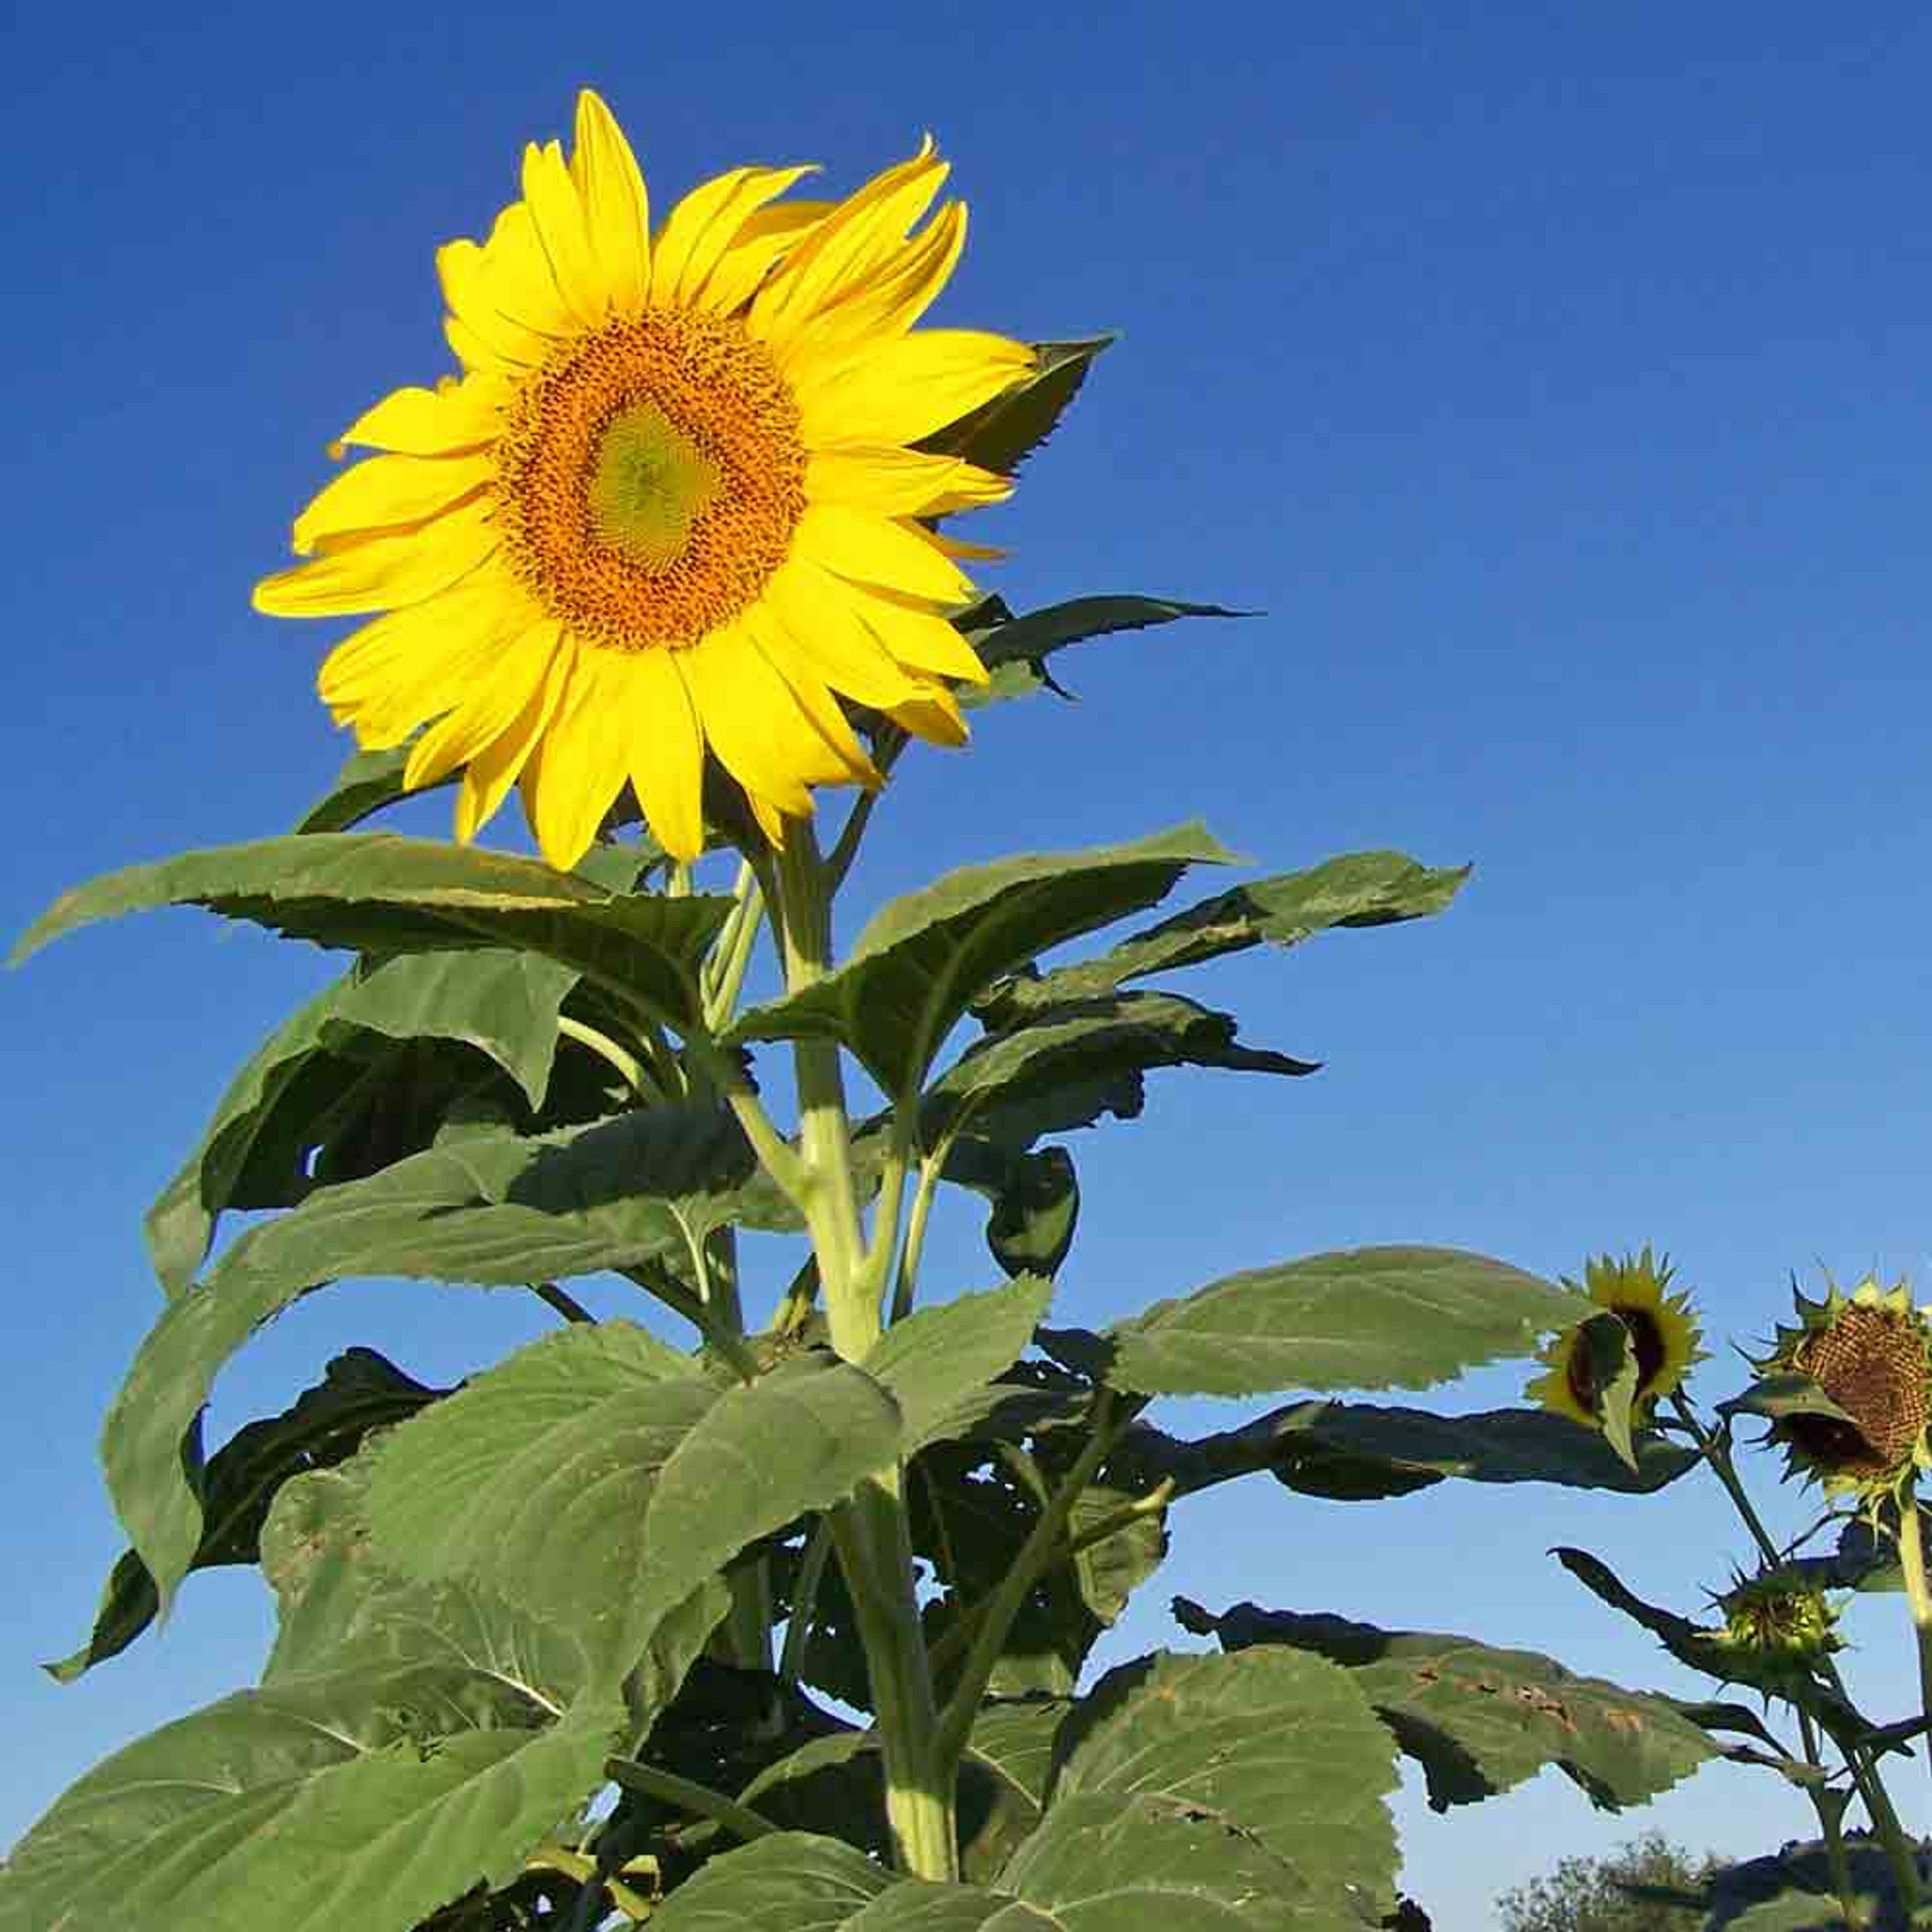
[(1664, 1339), (670, 509)]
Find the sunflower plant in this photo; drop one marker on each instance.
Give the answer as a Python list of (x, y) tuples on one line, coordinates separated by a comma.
[(744, 1596)]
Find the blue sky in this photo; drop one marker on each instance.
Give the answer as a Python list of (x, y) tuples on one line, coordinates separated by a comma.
[(1554, 380)]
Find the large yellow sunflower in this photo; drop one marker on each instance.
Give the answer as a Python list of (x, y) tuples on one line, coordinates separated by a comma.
[(1664, 1337), (670, 507)]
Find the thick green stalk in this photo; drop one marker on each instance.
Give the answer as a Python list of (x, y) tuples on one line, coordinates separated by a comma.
[(1911, 1562), (874, 1540)]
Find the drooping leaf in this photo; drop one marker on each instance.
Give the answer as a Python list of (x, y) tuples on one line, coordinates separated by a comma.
[(368, 1797), (1000, 434), (939, 1358), (1103, 1860), (1281, 1743), (496, 1208), (1776, 1396), (503, 1004), (922, 958), (1350, 1452), (1481, 1720), (1030, 1229), (359, 1392), (1358, 889), (597, 1488), (373, 892), (1015, 650), (1370, 1318), (1101, 1040)]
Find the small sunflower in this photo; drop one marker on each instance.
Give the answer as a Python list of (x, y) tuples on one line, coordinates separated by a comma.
[(671, 507), (1663, 1331), (1871, 1353), (1780, 1624)]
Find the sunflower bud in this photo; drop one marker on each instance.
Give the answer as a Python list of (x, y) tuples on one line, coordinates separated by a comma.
[(1782, 1622)]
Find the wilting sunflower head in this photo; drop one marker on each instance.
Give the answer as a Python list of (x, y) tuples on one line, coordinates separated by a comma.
[(1663, 1332), (1781, 1621), (1871, 1353), (671, 508)]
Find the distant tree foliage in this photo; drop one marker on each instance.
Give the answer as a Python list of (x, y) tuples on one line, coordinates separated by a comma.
[(1632, 1890)]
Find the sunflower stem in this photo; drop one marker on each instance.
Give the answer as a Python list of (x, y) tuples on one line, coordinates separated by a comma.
[(872, 1532), (1911, 1562)]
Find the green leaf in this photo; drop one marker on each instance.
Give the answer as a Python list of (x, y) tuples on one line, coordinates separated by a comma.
[(1369, 1318), (1281, 1743), (1358, 889), (791, 1882), (1791, 1891), (1001, 433), (1777, 1396), (359, 1392), (362, 1798), (1030, 1230), (1101, 1861), (938, 1358), (920, 959), (1357, 1452), (1015, 650), (375, 892), (1480, 1720), (496, 1208), (504, 1004), (597, 1486), (1103, 1040), (367, 782)]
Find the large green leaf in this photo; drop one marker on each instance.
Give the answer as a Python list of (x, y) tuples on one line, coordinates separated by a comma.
[(1001, 433), (922, 959), (1281, 1743), (1368, 1318), (1360, 1452), (1015, 650), (1359, 889), (366, 1796), (936, 1361), (377, 893), (496, 1208), (359, 1392), (597, 1485), (1103, 1861), (1480, 1720), (1101, 1040), (1790, 1891), (504, 1004)]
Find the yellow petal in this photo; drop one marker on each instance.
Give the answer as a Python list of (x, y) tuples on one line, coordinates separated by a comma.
[(770, 818), (664, 751), (753, 723), (414, 664), (482, 334), (900, 482), (958, 549), (876, 550), (820, 623), (763, 238), (385, 571), (577, 768), (704, 226), (517, 280), (495, 767), (853, 243), (617, 210), (389, 492), (551, 196), (820, 709), (893, 299), (900, 391), (489, 706), (935, 717), (481, 358), (920, 640), (439, 421)]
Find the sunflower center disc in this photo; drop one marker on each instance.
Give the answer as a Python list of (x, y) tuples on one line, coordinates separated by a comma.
[(649, 479)]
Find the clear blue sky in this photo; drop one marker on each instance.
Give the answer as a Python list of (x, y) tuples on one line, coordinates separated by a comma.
[(1555, 379)]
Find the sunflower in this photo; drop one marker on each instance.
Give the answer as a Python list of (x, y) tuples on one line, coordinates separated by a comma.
[(671, 507), (1663, 1331), (1871, 1353)]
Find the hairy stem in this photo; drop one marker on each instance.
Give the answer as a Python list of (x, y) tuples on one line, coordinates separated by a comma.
[(698, 1799)]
